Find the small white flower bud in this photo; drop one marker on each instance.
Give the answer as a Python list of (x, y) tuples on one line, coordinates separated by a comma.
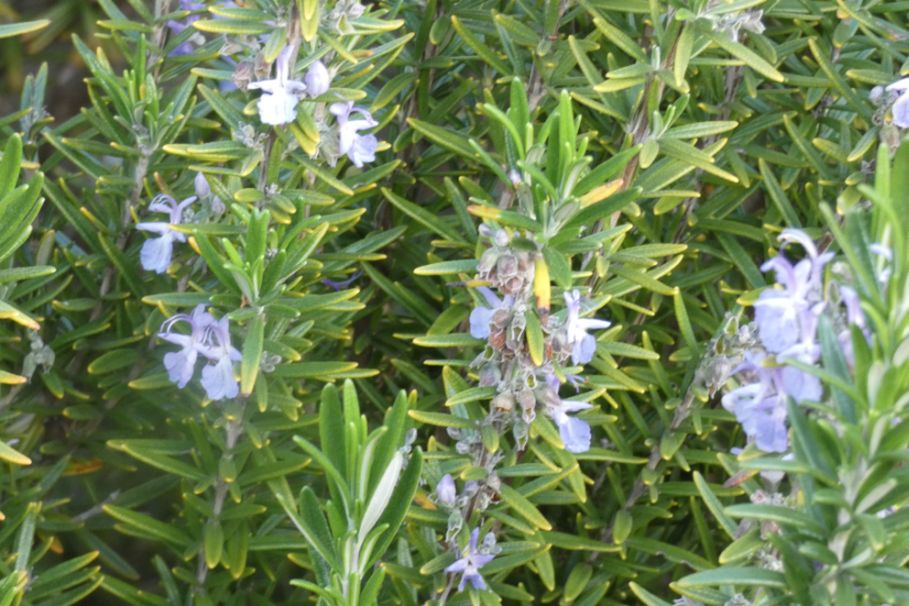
[(201, 186), (446, 492), (317, 79)]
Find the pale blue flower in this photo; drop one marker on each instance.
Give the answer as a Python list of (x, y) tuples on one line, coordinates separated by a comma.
[(181, 364), (583, 345), (177, 27), (201, 186), (209, 338), (482, 315), (446, 492), (761, 406), (317, 79), (470, 563), (359, 148), (156, 253), (900, 109), (789, 315), (575, 432), (278, 103), (218, 377)]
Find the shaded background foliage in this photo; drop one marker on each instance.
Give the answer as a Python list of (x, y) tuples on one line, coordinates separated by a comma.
[(721, 140)]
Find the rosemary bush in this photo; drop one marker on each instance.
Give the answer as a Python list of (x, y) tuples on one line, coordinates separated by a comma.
[(576, 302)]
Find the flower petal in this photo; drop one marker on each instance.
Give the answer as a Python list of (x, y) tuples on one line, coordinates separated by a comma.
[(218, 380), (901, 111), (277, 108), (156, 253), (180, 365), (575, 434), (479, 322)]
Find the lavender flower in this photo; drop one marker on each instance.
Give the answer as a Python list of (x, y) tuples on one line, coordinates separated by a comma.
[(181, 364), (278, 104), (446, 492), (342, 284), (218, 378), (789, 315), (900, 107), (359, 148), (211, 339), (761, 406), (203, 191), (178, 27), (583, 345), (470, 563), (317, 79), (575, 432), (200, 184), (482, 315), (156, 252)]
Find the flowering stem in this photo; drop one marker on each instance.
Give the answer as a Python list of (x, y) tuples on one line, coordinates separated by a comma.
[(233, 431)]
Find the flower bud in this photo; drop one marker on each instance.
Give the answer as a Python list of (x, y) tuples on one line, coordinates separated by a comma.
[(317, 79), (201, 185), (446, 493)]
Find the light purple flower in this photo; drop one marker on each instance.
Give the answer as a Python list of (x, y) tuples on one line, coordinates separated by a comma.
[(181, 364), (209, 338), (575, 432), (481, 315), (342, 284), (200, 184), (278, 103), (583, 345), (446, 492), (788, 316), (156, 252), (317, 79), (218, 377), (761, 406), (203, 192), (177, 27), (470, 563), (900, 107), (359, 148)]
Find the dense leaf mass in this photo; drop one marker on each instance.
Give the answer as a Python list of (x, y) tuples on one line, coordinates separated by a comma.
[(445, 302)]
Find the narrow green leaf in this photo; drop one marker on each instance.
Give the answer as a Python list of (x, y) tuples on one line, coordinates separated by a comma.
[(746, 55), (523, 507), (8, 30), (253, 347)]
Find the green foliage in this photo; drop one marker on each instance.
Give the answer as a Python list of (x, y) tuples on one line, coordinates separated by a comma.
[(645, 154)]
